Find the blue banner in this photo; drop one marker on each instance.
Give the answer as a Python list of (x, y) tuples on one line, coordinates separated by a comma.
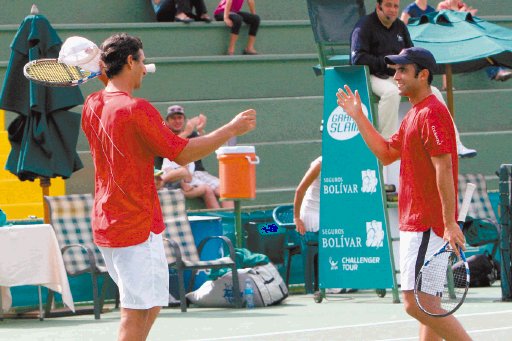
[(353, 238)]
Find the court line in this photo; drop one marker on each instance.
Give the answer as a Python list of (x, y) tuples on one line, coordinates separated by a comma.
[(346, 327), (469, 332)]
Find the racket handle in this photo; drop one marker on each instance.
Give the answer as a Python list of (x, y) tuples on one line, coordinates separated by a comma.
[(470, 188), (150, 68)]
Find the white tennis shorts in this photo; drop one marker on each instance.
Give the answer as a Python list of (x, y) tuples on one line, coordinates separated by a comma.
[(141, 273), (415, 249)]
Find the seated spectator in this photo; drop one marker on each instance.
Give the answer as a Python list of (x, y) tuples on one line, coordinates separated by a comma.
[(172, 10), (177, 122), (374, 36), (416, 9), (176, 176), (496, 73), (230, 12)]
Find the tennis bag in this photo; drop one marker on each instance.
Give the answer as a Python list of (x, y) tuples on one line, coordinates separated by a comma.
[(269, 288), (482, 268), (481, 231)]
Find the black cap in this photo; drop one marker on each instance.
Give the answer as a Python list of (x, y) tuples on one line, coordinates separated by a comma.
[(413, 55)]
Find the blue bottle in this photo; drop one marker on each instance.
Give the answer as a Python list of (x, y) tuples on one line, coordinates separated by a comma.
[(249, 294)]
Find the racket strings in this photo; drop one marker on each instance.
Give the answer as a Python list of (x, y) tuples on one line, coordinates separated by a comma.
[(440, 289), (48, 71)]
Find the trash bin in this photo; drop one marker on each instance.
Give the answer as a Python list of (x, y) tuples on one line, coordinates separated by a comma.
[(263, 238)]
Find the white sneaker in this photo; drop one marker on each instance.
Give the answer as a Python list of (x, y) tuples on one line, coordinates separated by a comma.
[(465, 152)]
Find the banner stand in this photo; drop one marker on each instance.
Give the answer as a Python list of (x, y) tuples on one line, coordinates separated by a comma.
[(355, 242)]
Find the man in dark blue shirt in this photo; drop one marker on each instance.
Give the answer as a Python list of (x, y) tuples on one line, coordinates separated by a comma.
[(376, 35)]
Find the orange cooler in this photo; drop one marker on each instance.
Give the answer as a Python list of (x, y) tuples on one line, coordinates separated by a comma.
[(237, 172)]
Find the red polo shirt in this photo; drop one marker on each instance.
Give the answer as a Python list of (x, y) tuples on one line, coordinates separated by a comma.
[(125, 134), (427, 130)]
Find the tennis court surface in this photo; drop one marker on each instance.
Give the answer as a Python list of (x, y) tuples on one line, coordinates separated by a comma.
[(356, 316)]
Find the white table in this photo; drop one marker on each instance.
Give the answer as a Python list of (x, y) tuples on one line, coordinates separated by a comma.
[(30, 255)]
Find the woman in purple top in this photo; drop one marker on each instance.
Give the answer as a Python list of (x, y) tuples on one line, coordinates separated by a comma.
[(416, 9), (230, 12)]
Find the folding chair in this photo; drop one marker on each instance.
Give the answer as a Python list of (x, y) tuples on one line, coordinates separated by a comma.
[(70, 218), (180, 247), (332, 22), (283, 216), (480, 207)]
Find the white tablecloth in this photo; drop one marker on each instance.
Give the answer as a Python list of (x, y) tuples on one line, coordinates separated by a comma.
[(30, 255)]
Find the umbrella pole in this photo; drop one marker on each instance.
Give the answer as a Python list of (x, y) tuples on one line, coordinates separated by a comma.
[(449, 89), (45, 185)]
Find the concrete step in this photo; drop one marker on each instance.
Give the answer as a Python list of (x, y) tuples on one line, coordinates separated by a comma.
[(276, 116), (99, 11), (493, 150), (228, 77), (178, 40), (483, 110), (281, 165)]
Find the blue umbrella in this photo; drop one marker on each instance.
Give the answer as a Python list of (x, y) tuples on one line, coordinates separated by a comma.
[(461, 43)]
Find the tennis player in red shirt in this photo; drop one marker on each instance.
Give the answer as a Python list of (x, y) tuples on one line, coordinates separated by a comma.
[(125, 134), (427, 202)]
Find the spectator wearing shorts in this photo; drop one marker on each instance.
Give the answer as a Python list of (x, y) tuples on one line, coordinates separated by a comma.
[(177, 121)]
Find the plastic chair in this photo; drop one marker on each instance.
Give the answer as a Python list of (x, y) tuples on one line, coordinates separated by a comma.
[(480, 207), (283, 216), (180, 248), (70, 217)]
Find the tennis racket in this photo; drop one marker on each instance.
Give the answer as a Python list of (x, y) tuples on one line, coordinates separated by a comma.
[(439, 290), (49, 72)]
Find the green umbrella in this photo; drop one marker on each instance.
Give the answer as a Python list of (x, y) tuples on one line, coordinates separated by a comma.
[(461, 43), (44, 135)]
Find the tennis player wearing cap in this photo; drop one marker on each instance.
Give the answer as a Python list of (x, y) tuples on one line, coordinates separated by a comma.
[(125, 133), (426, 145)]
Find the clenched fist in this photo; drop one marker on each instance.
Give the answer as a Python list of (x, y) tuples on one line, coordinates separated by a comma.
[(244, 122)]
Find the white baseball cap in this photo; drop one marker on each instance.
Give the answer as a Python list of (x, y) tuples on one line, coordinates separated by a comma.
[(82, 52)]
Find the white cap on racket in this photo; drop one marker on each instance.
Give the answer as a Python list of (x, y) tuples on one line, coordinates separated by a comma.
[(79, 51)]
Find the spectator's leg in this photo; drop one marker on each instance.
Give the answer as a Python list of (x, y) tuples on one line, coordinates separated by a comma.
[(492, 71), (209, 198), (388, 106), (235, 29), (498, 73), (201, 13), (183, 7), (167, 11), (253, 20), (462, 150)]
